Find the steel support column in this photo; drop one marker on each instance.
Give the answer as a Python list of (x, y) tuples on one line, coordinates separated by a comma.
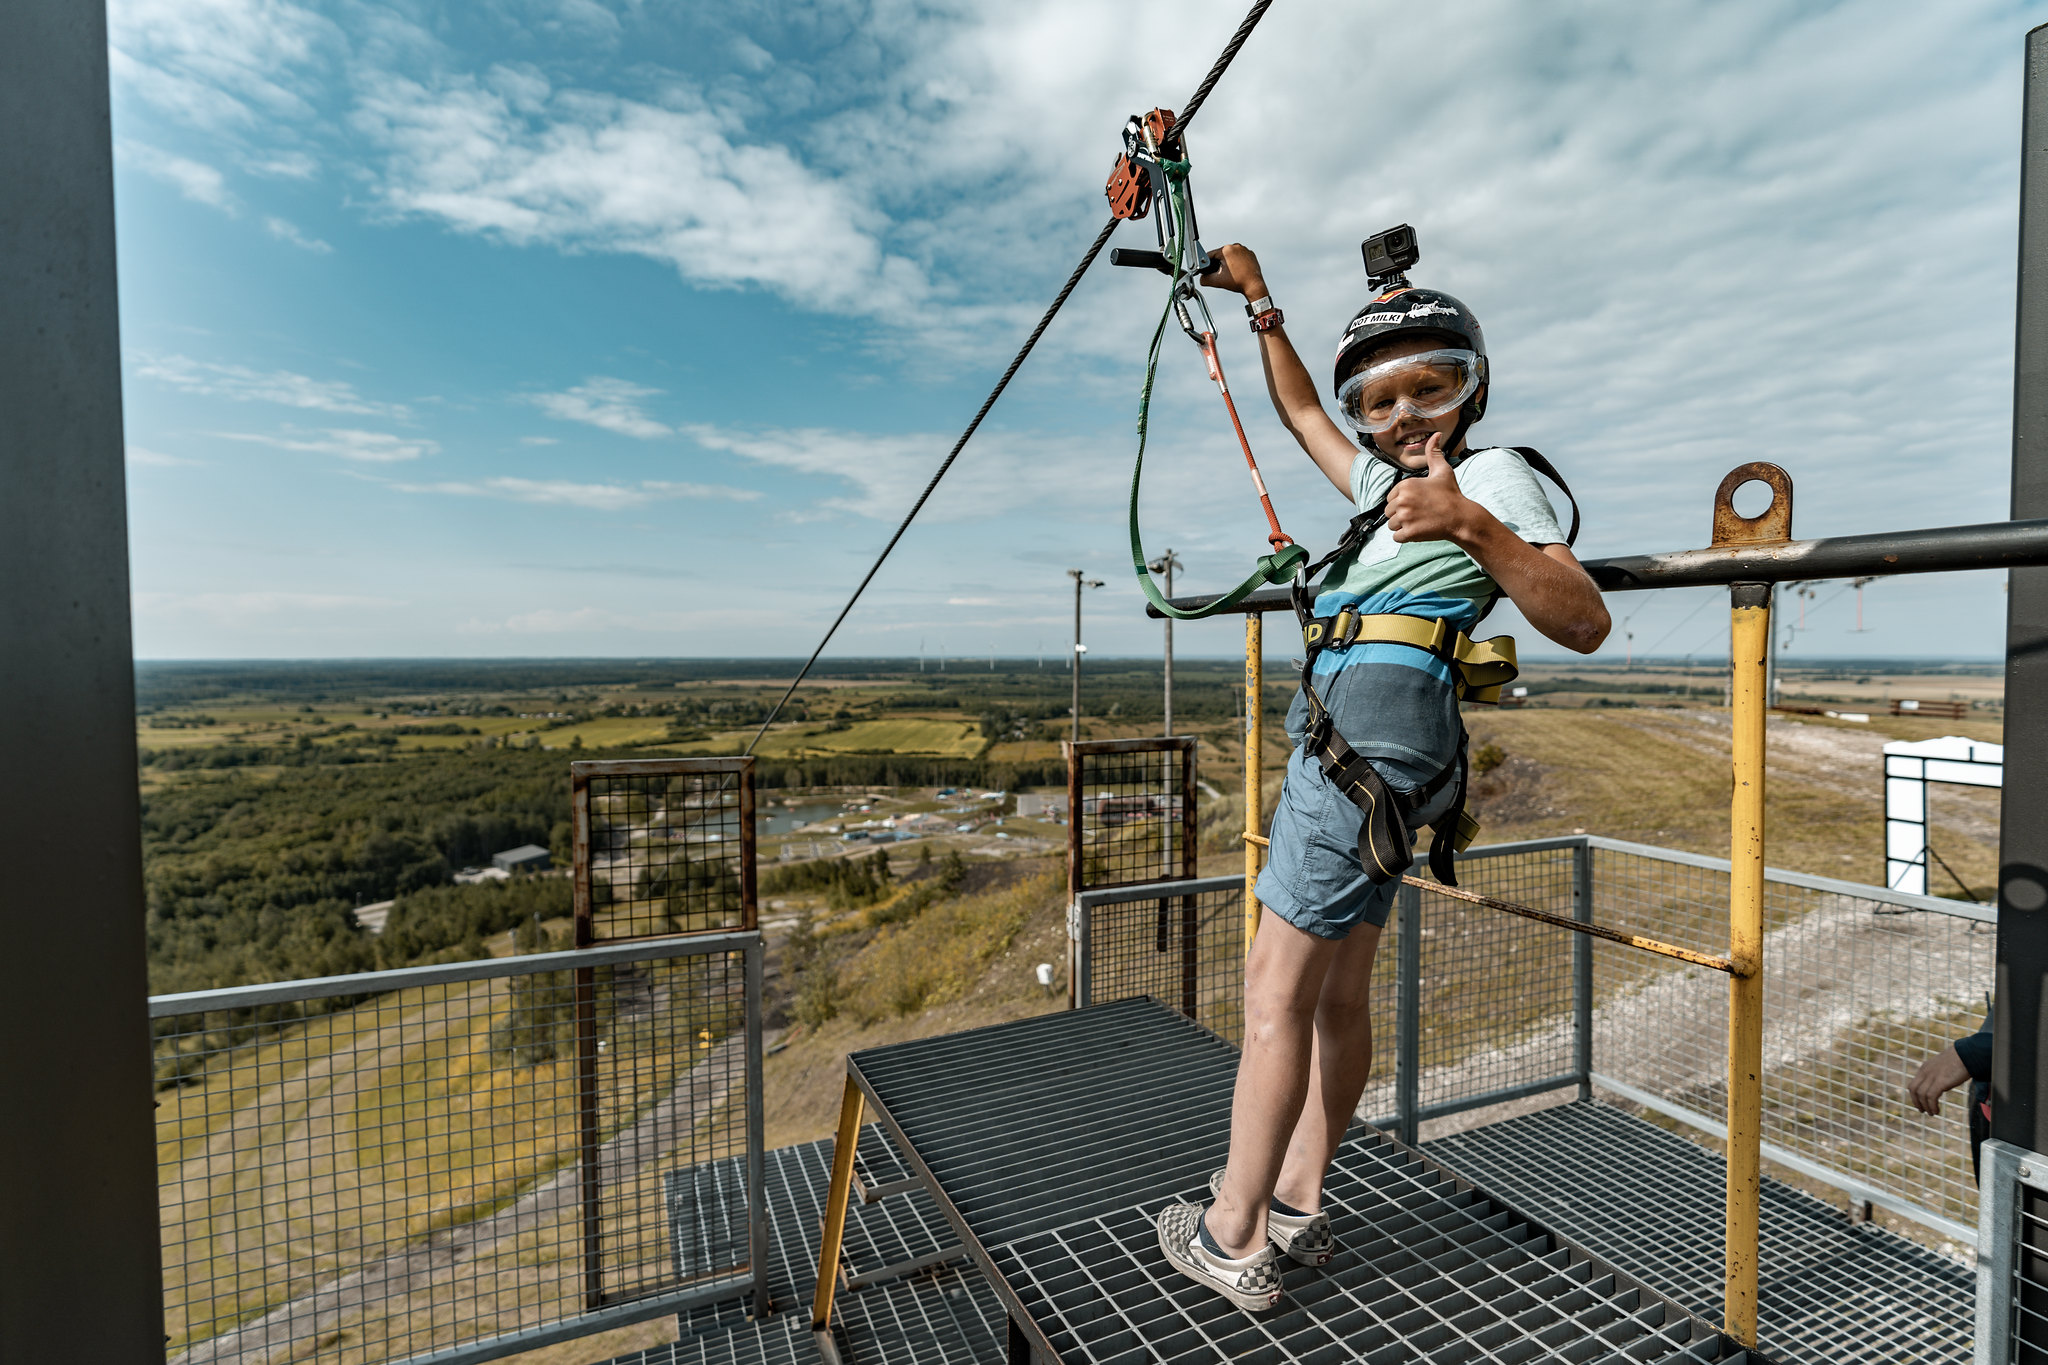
[(2018, 1056), (78, 1226), (1254, 794), (1408, 1016), (1750, 630), (1582, 969)]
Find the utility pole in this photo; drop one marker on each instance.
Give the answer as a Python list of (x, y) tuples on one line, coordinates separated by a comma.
[(1081, 580), (1860, 584), (1166, 564)]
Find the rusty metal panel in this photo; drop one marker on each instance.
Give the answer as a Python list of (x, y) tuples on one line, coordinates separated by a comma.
[(662, 847), (1130, 812)]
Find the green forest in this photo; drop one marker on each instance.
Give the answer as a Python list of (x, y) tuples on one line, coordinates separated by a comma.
[(279, 796), (252, 877)]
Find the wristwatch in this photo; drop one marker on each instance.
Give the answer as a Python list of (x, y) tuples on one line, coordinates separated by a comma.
[(1263, 314)]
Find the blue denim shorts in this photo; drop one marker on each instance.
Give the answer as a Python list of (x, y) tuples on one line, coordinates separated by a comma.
[(1313, 878)]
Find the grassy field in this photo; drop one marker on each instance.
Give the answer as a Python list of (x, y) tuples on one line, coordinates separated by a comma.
[(943, 738)]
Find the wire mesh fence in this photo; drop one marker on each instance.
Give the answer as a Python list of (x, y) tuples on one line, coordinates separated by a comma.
[(1861, 985), (1185, 949), (458, 1161), (663, 846), (1131, 811), (1494, 993)]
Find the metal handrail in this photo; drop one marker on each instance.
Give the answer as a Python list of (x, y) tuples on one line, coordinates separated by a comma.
[(1935, 549), (404, 978)]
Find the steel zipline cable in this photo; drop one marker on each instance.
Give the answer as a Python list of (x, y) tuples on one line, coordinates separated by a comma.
[(1230, 49)]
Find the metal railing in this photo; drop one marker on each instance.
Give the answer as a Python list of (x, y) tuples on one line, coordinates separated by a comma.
[(1861, 984), (456, 1163), (2012, 1254)]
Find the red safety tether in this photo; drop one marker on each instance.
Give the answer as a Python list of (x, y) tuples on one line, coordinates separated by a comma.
[(1279, 539)]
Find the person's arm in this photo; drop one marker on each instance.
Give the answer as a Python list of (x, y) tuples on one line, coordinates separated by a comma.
[(1938, 1075), (1287, 379), (1547, 584), (1966, 1059)]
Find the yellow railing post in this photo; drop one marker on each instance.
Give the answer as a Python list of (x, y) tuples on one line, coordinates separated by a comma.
[(1750, 629), (1254, 838), (835, 1206)]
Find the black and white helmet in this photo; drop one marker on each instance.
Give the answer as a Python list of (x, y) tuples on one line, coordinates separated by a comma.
[(1404, 311)]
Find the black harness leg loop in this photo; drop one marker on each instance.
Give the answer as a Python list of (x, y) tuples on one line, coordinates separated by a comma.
[(1443, 847)]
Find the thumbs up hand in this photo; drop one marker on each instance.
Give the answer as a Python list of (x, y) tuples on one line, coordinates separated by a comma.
[(1431, 507)]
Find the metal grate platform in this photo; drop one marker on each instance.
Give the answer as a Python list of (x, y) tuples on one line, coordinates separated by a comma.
[(1832, 1291), (1051, 1141), (878, 1168), (941, 1312)]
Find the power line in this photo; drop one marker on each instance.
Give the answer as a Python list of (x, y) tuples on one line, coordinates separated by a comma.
[(1195, 101), (1680, 626)]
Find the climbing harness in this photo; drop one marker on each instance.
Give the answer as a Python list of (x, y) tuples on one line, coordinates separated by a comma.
[(1478, 669), (1153, 173)]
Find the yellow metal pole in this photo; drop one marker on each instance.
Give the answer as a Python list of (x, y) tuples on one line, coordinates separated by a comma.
[(1254, 691), (1750, 629), (835, 1206)]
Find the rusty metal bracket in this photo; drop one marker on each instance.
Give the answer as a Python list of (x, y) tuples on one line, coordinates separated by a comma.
[(1772, 526)]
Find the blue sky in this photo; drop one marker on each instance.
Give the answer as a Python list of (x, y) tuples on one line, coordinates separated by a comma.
[(631, 329)]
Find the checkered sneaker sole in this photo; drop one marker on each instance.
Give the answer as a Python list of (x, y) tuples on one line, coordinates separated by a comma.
[(1252, 1284), (1304, 1237)]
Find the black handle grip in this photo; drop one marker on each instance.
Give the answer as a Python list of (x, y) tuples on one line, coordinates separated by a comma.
[(1144, 259)]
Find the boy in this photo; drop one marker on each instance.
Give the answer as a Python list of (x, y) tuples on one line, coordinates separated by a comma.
[(1461, 528)]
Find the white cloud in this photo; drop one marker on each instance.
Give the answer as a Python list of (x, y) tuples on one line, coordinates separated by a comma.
[(539, 441), (597, 497), (195, 180), (218, 64), (137, 455), (508, 157), (288, 165), (286, 231), (608, 404), (232, 605), (368, 447), (878, 476), (244, 385)]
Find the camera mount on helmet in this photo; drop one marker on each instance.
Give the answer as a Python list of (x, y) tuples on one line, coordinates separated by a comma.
[(1401, 311), (1388, 255)]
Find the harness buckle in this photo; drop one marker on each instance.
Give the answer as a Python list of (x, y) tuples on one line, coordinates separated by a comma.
[(1437, 632), (1344, 630)]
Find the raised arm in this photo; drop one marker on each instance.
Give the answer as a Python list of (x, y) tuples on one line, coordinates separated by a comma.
[(1287, 380)]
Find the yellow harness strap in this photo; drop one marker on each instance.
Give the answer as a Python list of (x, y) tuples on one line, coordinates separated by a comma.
[(1482, 667)]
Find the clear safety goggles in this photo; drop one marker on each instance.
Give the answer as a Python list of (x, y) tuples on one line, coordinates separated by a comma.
[(1426, 385)]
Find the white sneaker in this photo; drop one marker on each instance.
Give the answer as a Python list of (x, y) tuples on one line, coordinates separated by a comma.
[(1306, 1237), (1252, 1282)]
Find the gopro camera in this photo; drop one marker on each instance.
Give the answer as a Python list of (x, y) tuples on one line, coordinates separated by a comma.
[(1389, 254)]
